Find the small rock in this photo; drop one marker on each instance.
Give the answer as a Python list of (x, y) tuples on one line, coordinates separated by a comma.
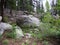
[(28, 35), (36, 29)]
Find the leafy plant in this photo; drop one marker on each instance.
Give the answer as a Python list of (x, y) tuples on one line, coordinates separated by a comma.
[(5, 42), (12, 34), (6, 19), (47, 18), (47, 5), (50, 26), (45, 42)]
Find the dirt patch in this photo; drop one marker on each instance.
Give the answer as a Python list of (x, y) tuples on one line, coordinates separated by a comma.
[(28, 41)]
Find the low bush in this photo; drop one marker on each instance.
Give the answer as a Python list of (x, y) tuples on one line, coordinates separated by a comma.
[(45, 42), (5, 42), (12, 34), (50, 26)]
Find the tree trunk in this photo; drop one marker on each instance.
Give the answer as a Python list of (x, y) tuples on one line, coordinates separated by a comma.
[(11, 12), (2, 9)]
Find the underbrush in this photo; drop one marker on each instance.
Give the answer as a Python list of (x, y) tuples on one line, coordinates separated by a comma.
[(49, 27), (12, 33)]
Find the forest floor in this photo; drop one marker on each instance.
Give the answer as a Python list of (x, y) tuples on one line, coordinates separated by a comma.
[(25, 41), (22, 41)]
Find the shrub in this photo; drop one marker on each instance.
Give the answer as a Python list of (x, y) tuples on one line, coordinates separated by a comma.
[(47, 18), (50, 26), (45, 42), (12, 34), (6, 19), (5, 42)]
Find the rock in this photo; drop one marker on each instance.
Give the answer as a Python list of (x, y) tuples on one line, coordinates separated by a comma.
[(28, 35), (26, 12), (53, 12), (36, 30), (4, 26), (1, 31), (29, 20), (12, 20), (56, 17), (19, 32), (34, 20), (0, 18)]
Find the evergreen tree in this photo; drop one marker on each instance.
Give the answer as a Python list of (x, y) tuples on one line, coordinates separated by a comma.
[(57, 7), (47, 6), (11, 4), (25, 5)]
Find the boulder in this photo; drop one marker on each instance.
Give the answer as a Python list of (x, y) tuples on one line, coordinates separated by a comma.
[(34, 20), (1, 31), (4, 26), (28, 35), (19, 32), (28, 20)]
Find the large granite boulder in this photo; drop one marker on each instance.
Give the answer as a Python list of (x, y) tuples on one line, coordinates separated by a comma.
[(4, 26), (8, 27), (29, 20)]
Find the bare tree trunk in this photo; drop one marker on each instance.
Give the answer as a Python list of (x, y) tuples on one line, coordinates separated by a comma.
[(11, 12), (2, 9)]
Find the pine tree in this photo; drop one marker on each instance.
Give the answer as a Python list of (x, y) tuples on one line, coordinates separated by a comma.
[(47, 6), (57, 7), (11, 4), (25, 5)]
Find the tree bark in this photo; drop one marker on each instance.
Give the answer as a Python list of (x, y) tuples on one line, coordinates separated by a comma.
[(2, 9), (11, 12)]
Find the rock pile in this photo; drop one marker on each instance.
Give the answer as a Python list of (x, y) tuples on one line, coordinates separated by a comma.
[(6, 26)]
